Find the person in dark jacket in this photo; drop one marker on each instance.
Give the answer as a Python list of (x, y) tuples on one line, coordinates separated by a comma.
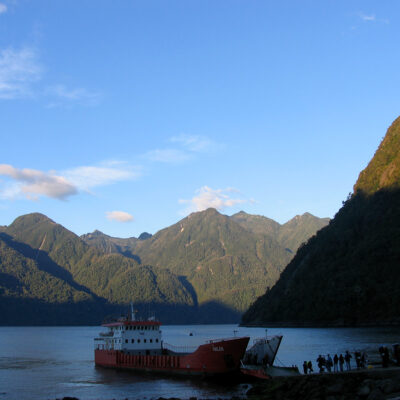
[(310, 368), (347, 358), (335, 363), (305, 367), (341, 362)]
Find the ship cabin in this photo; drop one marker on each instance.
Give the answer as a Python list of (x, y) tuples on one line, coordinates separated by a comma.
[(131, 337)]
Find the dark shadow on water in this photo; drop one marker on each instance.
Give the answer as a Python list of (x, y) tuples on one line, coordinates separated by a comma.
[(218, 383)]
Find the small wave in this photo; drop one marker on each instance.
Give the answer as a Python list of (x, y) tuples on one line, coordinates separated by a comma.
[(24, 363)]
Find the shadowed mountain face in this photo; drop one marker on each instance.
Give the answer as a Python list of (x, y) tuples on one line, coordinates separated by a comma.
[(349, 272), (205, 268), (43, 263)]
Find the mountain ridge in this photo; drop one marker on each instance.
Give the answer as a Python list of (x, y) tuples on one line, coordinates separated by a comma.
[(205, 268)]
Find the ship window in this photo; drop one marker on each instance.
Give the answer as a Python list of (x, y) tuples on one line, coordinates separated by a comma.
[(156, 340), (133, 340), (138, 340), (126, 340), (145, 340), (151, 340)]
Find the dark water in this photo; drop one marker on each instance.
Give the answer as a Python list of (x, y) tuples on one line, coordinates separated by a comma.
[(50, 363)]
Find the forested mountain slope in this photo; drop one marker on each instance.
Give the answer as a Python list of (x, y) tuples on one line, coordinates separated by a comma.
[(349, 273)]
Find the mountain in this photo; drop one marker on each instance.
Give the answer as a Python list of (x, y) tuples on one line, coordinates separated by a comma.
[(383, 171), (257, 223), (289, 235), (230, 260), (348, 274), (223, 260), (207, 268), (30, 296), (109, 244), (71, 271)]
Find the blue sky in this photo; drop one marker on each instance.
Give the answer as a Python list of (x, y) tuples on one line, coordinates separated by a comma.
[(125, 116)]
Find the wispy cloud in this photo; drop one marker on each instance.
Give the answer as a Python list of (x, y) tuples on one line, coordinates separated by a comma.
[(219, 199), (3, 8), (19, 69), (87, 177), (194, 143), (119, 216), (22, 76), (366, 17), (372, 18), (33, 183), (169, 156), (186, 148), (80, 96)]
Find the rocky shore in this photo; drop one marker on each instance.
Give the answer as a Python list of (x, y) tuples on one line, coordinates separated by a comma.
[(375, 384)]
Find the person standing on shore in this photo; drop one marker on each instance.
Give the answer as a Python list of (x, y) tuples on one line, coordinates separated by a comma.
[(335, 363), (329, 363), (347, 358), (341, 362), (305, 367), (310, 368), (321, 363)]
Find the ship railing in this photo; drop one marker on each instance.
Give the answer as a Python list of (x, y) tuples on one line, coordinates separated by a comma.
[(179, 349), (264, 339), (106, 334), (221, 340)]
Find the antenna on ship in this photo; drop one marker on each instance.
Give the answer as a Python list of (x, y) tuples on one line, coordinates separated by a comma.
[(133, 313)]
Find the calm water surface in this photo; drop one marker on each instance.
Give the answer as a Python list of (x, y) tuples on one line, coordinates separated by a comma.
[(53, 362)]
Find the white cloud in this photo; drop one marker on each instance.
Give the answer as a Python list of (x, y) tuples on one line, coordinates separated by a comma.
[(187, 147), (171, 156), (194, 143), (21, 69), (212, 198), (87, 177), (3, 8), (77, 95), (18, 70), (33, 184), (120, 216), (366, 17)]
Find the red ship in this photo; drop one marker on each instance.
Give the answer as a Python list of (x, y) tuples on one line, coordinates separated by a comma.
[(137, 345)]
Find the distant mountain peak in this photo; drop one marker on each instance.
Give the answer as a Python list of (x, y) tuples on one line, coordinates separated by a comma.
[(144, 236)]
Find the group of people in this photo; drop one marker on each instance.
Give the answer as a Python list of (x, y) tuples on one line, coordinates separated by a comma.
[(337, 363)]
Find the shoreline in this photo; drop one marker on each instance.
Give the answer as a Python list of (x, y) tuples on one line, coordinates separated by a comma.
[(371, 384), (322, 324)]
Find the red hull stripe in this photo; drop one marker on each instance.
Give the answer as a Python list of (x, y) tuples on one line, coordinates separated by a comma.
[(211, 358)]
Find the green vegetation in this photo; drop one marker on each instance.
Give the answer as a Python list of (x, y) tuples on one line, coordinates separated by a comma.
[(349, 272), (383, 171), (289, 235), (205, 268)]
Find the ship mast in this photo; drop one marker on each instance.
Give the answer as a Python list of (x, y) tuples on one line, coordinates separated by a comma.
[(133, 313)]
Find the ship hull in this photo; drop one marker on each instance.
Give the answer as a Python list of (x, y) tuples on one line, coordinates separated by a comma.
[(210, 359)]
